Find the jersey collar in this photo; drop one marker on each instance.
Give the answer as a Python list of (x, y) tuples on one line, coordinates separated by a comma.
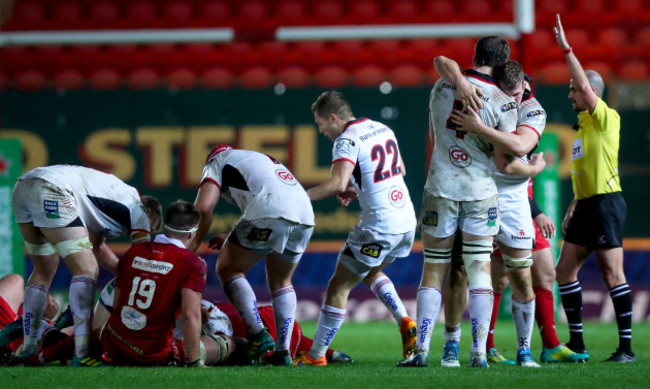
[(164, 239), (353, 122), (481, 76)]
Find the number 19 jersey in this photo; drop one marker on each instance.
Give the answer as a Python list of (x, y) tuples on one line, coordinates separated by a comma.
[(462, 164), (377, 176)]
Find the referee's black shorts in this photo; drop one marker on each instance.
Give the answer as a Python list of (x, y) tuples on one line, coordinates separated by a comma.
[(598, 221)]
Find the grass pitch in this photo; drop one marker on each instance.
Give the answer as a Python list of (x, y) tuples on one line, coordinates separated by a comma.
[(375, 348)]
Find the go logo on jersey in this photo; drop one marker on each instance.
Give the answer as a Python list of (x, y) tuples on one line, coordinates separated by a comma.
[(286, 177), (459, 157), (396, 196)]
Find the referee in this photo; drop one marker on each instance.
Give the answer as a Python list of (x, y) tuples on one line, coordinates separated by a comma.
[(595, 218)]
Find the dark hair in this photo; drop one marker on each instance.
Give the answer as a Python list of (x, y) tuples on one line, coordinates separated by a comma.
[(491, 51), (154, 210), (182, 215), (332, 102), (509, 75)]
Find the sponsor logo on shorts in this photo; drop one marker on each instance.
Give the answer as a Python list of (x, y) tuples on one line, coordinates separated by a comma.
[(492, 217), (396, 197), (151, 266), (51, 208), (286, 177), (259, 234), (507, 107), (534, 112), (430, 218), (372, 250), (133, 319), (459, 157)]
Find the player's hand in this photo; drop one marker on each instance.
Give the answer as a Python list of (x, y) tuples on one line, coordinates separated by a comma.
[(469, 94), (217, 241), (467, 120), (538, 162), (559, 33), (347, 196), (546, 225)]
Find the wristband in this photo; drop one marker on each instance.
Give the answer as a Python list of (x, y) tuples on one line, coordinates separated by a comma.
[(567, 51)]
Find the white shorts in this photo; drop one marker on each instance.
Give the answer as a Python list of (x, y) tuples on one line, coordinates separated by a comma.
[(516, 229), (366, 249), (441, 217), (43, 204), (264, 236)]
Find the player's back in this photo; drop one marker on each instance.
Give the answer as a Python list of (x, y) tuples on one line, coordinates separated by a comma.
[(530, 114), (462, 164), (150, 278), (106, 205), (261, 186), (377, 176)]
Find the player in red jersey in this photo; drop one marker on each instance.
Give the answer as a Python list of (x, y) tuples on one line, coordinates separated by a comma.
[(154, 282)]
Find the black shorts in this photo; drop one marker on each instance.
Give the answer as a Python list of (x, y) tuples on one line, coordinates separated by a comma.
[(598, 221)]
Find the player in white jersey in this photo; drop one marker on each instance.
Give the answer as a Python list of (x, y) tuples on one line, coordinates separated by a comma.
[(365, 155), (460, 193), (516, 232), (57, 208), (277, 223)]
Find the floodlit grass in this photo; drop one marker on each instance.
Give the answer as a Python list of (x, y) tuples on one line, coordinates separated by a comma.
[(375, 348)]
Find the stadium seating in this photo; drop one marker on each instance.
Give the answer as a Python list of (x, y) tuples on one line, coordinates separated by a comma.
[(612, 35)]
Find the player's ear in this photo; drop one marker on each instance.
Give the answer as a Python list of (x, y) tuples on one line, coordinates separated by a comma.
[(334, 118)]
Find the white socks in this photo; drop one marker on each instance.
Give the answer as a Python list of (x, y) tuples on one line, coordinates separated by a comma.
[(82, 297), (329, 322), (480, 311), (241, 295), (284, 310), (429, 301), (33, 308), (385, 291), (524, 316)]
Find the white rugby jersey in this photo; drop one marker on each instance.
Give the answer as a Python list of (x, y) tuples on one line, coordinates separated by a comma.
[(259, 185), (462, 164), (106, 205), (531, 115), (377, 176)]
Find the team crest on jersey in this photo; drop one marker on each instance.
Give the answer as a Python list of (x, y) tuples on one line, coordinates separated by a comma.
[(430, 218), (286, 177), (535, 112), (396, 197), (459, 157), (341, 142), (492, 217), (133, 319), (372, 250), (51, 209), (259, 234), (507, 107)]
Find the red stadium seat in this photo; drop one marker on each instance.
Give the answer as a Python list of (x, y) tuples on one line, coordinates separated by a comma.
[(214, 14), (331, 77), (382, 52), (291, 12), (67, 16), (363, 12), (104, 79), (294, 77), (634, 71), (402, 11), (30, 80), (328, 12), (104, 14), (546, 10), (28, 15), (271, 54), (351, 53), (217, 78), (476, 11), (141, 14), (143, 78), (182, 78), (4, 81), (68, 79), (257, 77), (48, 57), (369, 76), (177, 14), (553, 74), (406, 76)]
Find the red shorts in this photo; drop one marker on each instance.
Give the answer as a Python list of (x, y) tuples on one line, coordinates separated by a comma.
[(7, 314), (540, 242), (119, 353)]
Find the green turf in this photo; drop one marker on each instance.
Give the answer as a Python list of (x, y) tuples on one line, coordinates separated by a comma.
[(375, 348)]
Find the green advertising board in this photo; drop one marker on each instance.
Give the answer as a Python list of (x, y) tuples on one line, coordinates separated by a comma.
[(11, 243)]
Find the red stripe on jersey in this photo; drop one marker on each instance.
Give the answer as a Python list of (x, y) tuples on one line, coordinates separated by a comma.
[(532, 128), (344, 159), (212, 180)]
